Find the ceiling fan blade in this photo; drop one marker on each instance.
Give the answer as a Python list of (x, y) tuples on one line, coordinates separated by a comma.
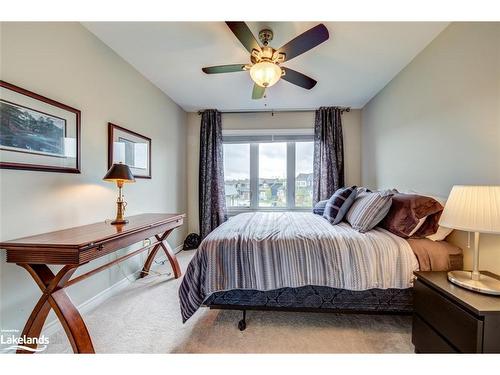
[(305, 41), (223, 68), (298, 79), (258, 91), (244, 35)]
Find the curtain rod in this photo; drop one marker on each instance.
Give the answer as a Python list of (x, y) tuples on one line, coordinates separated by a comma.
[(342, 110)]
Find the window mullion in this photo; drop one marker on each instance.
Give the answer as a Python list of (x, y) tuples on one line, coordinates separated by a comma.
[(290, 175)]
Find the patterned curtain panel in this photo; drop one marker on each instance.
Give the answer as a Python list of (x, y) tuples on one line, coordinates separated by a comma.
[(211, 179), (328, 167)]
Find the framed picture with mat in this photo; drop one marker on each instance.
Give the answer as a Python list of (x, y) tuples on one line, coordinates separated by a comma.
[(37, 133), (129, 148)]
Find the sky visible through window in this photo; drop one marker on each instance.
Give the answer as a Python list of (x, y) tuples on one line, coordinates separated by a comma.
[(237, 160), (304, 153), (272, 160)]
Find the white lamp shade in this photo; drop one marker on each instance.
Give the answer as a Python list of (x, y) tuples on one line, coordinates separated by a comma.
[(473, 209)]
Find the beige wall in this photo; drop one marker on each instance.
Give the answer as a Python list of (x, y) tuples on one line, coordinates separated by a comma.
[(65, 62), (437, 123), (351, 122)]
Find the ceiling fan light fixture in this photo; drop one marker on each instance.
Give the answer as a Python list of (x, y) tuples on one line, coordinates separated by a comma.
[(265, 61), (265, 73)]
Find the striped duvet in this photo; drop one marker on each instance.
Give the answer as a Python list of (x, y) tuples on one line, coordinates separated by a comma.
[(266, 251)]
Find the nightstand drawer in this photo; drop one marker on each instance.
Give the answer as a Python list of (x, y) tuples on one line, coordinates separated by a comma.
[(461, 328), (426, 340)]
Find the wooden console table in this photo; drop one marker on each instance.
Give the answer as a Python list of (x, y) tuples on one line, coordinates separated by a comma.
[(74, 247)]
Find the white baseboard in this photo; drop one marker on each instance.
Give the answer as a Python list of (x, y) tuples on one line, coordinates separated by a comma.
[(53, 326)]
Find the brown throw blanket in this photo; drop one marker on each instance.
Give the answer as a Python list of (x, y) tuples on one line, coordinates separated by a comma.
[(436, 255)]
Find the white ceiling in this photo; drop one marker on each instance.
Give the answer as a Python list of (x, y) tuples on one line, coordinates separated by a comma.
[(358, 60)]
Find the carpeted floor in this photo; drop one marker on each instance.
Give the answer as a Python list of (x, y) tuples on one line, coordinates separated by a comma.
[(145, 318)]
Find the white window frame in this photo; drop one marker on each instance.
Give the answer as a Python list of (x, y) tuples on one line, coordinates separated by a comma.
[(252, 137)]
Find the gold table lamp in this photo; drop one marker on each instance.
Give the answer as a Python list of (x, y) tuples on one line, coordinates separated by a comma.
[(119, 173)]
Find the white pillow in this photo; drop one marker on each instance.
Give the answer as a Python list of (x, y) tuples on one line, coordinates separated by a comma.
[(442, 232)]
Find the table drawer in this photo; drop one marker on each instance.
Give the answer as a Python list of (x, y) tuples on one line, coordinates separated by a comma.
[(426, 340), (102, 248), (462, 329)]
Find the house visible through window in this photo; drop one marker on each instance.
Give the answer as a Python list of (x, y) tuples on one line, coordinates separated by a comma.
[(268, 172)]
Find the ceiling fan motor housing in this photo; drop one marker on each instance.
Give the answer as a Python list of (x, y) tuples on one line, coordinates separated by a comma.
[(267, 54), (265, 36)]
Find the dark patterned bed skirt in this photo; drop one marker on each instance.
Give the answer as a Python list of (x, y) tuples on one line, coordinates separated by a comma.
[(318, 298)]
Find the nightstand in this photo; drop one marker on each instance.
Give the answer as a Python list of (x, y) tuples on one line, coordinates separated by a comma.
[(450, 319)]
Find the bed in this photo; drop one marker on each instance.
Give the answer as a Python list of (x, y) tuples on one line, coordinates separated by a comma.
[(298, 261)]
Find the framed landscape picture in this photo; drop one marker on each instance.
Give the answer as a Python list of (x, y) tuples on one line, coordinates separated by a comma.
[(131, 148), (37, 133)]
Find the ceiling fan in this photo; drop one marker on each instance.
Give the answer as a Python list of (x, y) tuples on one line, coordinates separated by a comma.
[(265, 67)]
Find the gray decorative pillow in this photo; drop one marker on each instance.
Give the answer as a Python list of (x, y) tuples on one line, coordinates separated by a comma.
[(338, 204), (369, 209), (319, 208)]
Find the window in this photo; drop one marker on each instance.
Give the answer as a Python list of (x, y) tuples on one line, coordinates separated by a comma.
[(268, 171)]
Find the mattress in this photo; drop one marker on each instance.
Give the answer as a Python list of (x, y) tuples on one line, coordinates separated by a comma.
[(431, 255), (270, 251)]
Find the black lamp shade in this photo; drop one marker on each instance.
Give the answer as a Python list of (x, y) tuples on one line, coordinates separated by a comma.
[(119, 172)]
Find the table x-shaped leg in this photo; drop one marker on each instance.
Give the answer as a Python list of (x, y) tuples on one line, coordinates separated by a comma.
[(168, 251), (55, 297)]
